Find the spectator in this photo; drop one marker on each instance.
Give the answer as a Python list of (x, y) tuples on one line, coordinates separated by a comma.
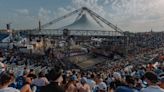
[(32, 73), (151, 79), (161, 82), (129, 85), (20, 81), (41, 80), (5, 80), (27, 85), (84, 86), (116, 82), (71, 85), (13, 84), (2, 67), (102, 87), (55, 78), (91, 82)]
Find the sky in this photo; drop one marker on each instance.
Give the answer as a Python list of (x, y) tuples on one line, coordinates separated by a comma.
[(129, 15)]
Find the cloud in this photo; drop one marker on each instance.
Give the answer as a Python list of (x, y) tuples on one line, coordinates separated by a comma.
[(76, 4), (127, 14), (133, 8), (44, 15), (132, 15), (27, 21), (106, 2), (22, 11), (64, 10), (20, 19), (91, 4), (139, 14)]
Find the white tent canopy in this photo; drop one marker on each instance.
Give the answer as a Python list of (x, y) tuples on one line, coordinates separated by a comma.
[(86, 22)]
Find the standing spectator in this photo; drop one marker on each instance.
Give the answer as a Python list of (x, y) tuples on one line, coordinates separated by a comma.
[(151, 79), (55, 78)]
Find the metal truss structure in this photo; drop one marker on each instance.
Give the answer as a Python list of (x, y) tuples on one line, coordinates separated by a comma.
[(98, 19)]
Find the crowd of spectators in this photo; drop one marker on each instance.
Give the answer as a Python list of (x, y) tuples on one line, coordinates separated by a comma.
[(143, 72), (143, 42), (124, 75)]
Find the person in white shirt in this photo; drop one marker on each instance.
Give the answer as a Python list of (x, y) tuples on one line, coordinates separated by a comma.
[(41, 80), (102, 87), (91, 82), (5, 80), (151, 79)]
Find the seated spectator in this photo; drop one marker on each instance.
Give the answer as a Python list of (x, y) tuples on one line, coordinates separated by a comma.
[(5, 80), (2, 67), (27, 85), (13, 84), (32, 73), (129, 85), (41, 80), (84, 86), (20, 81), (102, 87), (91, 81), (116, 82), (151, 79), (161, 82), (55, 78), (71, 85)]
